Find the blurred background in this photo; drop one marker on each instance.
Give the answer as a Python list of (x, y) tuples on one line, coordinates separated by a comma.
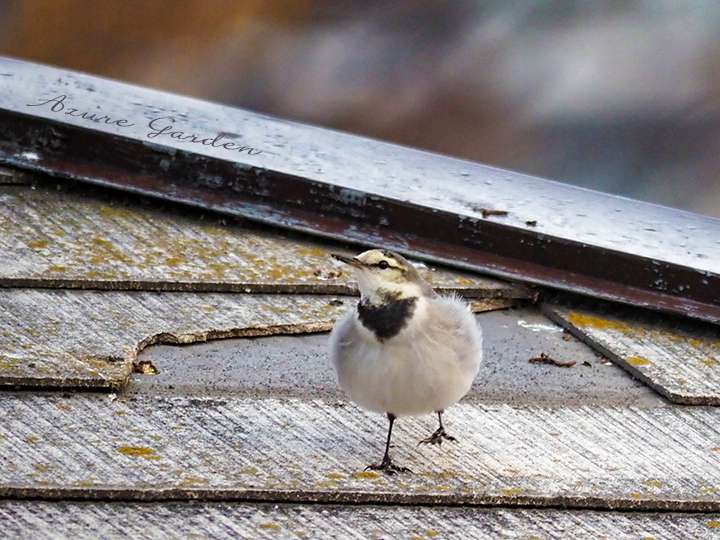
[(621, 96)]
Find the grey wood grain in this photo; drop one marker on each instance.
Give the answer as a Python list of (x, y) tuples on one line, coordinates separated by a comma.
[(679, 359), (206, 520), (302, 450)]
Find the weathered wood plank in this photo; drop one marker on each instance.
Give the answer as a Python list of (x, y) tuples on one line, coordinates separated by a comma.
[(362, 191), (14, 177), (89, 339), (56, 338), (144, 448), (297, 366), (679, 359), (59, 520), (63, 237)]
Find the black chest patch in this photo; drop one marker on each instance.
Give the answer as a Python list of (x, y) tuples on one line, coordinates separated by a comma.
[(386, 320)]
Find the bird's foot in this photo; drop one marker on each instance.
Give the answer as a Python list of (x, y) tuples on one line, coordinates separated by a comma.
[(388, 467), (438, 437)]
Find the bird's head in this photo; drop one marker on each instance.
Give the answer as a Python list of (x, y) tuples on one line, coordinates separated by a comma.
[(385, 276)]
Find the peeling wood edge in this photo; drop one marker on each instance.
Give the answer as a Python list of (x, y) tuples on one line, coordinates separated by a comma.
[(178, 286), (483, 305), (24, 383), (162, 338), (169, 338), (28, 384), (550, 311), (513, 291), (139, 494)]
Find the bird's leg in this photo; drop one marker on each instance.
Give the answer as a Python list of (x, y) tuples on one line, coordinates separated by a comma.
[(386, 465), (439, 436)]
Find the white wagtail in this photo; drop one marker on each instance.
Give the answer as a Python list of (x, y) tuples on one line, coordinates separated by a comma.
[(405, 350)]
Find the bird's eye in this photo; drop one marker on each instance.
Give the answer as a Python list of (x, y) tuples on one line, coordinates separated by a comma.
[(383, 265)]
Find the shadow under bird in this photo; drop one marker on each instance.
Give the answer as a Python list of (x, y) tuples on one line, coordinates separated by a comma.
[(405, 350)]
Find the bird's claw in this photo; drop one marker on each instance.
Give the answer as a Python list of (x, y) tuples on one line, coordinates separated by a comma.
[(438, 437), (388, 467)]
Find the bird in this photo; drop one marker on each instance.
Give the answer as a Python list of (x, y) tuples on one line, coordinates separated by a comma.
[(404, 350)]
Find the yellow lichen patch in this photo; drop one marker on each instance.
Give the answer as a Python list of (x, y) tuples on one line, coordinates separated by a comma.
[(307, 251), (589, 321), (653, 483), (710, 362), (41, 467), (57, 268), (138, 451), (441, 475), (270, 526), (638, 361), (248, 470), (431, 533), (278, 273), (112, 212), (335, 476), (8, 363), (174, 261), (218, 269), (96, 361), (31, 439), (38, 244), (107, 250), (327, 484), (192, 481), (365, 475), (636, 495), (713, 524), (102, 242), (512, 492), (88, 482)]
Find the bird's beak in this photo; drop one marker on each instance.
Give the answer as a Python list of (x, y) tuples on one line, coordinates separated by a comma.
[(352, 261)]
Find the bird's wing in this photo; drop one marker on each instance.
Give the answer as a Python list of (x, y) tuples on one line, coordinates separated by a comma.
[(455, 325), (344, 337)]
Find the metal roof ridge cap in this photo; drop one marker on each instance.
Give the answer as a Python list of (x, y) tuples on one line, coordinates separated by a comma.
[(302, 178)]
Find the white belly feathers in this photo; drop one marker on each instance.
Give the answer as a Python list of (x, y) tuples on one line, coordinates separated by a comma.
[(429, 365)]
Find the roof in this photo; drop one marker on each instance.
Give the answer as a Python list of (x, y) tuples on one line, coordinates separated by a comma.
[(242, 430)]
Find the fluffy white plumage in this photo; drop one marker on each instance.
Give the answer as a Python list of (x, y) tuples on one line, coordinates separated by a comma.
[(427, 366)]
